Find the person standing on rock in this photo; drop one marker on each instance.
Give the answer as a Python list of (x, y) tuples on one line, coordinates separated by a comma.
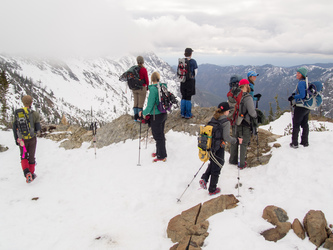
[(140, 94), (25, 126), (216, 161), (187, 88), (157, 119), (243, 127), (301, 113)]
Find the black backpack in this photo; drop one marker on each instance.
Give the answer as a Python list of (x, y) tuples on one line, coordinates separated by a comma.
[(24, 124), (166, 98), (133, 78)]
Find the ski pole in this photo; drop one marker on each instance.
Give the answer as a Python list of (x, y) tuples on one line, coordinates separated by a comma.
[(257, 134), (238, 177), (147, 137), (139, 147), (93, 127), (178, 199)]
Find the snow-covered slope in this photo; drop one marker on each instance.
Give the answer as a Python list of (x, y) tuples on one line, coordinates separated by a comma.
[(112, 203), (75, 86)]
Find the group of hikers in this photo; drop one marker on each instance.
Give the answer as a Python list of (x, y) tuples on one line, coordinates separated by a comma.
[(242, 130)]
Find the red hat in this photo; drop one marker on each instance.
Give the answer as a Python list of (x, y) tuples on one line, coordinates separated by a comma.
[(243, 82)]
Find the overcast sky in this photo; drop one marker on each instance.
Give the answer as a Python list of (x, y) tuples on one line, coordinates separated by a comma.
[(280, 32)]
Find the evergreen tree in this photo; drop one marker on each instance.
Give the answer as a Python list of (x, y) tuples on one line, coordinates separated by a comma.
[(271, 113), (278, 111), (4, 85)]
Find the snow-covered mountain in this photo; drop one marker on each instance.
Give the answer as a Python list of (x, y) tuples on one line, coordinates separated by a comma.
[(72, 87), (272, 81)]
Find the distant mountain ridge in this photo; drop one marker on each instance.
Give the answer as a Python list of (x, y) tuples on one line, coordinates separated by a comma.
[(272, 81)]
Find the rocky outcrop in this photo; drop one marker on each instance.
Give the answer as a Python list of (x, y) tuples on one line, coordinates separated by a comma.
[(278, 217), (298, 229), (190, 227), (316, 227)]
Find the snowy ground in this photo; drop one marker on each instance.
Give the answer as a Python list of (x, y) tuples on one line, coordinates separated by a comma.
[(111, 203)]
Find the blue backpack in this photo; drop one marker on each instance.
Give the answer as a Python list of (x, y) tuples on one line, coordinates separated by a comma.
[(313, 98)]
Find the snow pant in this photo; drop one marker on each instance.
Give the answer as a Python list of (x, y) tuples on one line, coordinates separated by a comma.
[(157, 123), (244, 132), (28, 159), (139, 99), (213, 170), (300, 119), (186, 108)]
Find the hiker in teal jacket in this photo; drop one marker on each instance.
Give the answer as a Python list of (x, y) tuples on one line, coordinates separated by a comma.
[(157, 119)]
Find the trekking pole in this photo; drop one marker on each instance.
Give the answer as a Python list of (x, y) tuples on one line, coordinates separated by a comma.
[(257, 134), (188, 185), (147, 137), (238, 177), (139, 147)]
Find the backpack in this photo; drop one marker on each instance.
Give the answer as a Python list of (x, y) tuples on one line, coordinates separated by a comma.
[(183, 70), (234, 100), (165, 98), (313, 98), (24, 124), (234, 81), (133, 78), (209, 139)]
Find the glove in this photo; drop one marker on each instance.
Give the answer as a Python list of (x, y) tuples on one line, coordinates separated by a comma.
[(257, 96), (291, 98)]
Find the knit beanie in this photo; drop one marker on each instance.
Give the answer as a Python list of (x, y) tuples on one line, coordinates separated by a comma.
[(303, 71), (243, 82), (140, 60), (27, 100), (224, 106)]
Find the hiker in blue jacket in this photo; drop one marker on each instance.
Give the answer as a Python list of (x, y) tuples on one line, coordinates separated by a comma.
[(187, 88), (252, 77), (301, 113), (157, 119)]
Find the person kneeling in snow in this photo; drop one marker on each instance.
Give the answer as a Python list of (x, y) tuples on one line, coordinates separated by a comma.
[(217, 159)]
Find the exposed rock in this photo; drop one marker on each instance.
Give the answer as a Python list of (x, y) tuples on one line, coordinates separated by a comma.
[(315, 226), (298, 229), (278, 232), (217, 205), (275, 215), (329, 243), (276, 145), (3, 148), (179, 225), (190, 227)]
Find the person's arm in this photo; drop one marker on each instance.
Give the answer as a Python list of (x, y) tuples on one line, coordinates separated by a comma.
[(301, 87), (248, 102), (226, 133), (151, 101)]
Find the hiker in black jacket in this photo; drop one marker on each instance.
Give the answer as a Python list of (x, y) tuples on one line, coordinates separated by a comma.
[(217, 158)]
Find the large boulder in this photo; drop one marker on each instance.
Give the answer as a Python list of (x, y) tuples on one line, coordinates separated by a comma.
[(190, 227), (277, 233), (315, 225)]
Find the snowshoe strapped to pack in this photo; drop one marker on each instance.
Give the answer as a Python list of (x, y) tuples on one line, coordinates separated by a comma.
[(183, 70), (133, 78), (24, 123), (166, 98)]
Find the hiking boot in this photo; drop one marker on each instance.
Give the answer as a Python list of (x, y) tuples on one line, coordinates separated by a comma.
[(217, 190), (157, 160), (189, 117), (292, 145), (203, 184), (153, 155), (34, 176), (28, 177), (245, 165), (305, 144)]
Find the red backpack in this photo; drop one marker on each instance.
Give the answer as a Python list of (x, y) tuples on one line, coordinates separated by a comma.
[(234, 99)]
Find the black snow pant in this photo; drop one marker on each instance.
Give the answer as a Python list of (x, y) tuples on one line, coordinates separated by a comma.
[(157, 123), (300, 119), (187, 89), (213, 170)]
